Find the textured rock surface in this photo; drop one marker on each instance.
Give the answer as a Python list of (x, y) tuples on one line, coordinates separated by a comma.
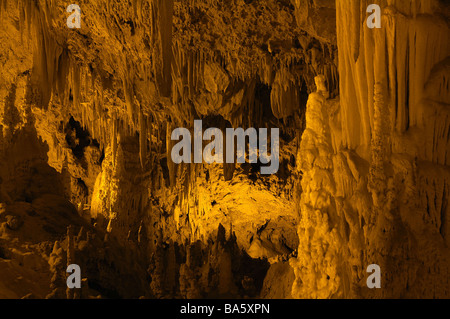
[(85, 122), (364, 200)]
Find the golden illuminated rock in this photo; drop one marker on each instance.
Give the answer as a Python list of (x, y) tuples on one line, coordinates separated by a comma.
[(87, 112)]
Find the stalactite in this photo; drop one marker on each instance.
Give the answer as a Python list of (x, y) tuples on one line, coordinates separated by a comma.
[(75, 83), (142, 139), (266, 70), (285, 96), (3, 4), (129, 98), (162, 12), (149, 133), (62, 76), (170, 164), (114, 140), (137, 8), (189, 61), (404, 43), (50, 60)]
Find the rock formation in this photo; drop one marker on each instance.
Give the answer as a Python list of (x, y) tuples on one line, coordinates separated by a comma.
[(86, 119)]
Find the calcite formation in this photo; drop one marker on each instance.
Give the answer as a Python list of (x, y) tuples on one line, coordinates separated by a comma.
[(87, 175)]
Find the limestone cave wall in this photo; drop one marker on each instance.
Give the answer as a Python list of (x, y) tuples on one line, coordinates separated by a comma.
[(87, 176)]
